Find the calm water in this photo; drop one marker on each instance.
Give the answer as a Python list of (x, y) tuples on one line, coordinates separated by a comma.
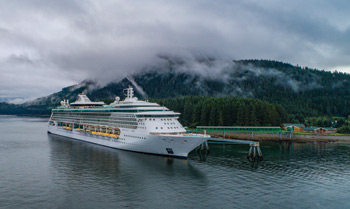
[(42, 171)]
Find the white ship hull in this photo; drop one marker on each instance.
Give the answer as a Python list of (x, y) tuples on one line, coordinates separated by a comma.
[(132, 140)]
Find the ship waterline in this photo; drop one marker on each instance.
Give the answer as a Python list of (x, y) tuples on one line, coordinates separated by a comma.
[(131, 124)]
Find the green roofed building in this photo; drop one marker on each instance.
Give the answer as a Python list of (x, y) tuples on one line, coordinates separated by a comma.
[(320, 130), (311, 129), (330, 130)]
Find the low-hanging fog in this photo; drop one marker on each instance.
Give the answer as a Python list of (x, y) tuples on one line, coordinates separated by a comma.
[(47, 44)]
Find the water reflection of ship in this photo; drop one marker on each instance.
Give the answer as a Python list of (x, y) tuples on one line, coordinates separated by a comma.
[(74, 159)]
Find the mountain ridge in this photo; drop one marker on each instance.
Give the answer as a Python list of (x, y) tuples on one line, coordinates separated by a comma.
[(302, 92)]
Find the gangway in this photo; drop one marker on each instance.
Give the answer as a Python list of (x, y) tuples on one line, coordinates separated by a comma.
[(254, 153), (254, 150)]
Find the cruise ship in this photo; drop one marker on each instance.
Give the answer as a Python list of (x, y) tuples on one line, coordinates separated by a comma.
[(131, 124)]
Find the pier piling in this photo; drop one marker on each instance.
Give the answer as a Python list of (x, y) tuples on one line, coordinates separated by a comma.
[(203, 151), (254, 153)]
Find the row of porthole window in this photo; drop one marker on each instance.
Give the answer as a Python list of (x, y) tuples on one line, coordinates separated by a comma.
[(169, 124), (160, 119), (169, 127), (136, 137), (125, 142)]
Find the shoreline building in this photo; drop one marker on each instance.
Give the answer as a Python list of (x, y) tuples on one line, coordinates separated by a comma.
[(295, 126)]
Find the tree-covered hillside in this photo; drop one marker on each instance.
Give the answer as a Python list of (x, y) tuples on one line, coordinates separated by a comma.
[(229, 111), (300, 91)]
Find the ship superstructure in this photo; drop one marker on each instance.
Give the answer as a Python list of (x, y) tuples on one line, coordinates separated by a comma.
[(131, 124)]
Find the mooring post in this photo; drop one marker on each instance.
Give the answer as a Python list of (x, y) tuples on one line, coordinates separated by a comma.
[(254, 152), (250, 151), (259, 150), (206, 145)]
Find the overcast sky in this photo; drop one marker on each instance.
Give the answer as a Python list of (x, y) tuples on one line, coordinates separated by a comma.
[(49, 44)]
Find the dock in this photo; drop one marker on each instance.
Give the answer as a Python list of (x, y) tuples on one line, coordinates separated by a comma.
[(254, 153), (244, 129)]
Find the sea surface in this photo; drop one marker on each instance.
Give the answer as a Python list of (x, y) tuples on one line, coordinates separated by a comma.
[(38, 170)]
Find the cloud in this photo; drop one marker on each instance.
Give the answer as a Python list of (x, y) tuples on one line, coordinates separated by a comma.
[(20, 100), (48, 44)]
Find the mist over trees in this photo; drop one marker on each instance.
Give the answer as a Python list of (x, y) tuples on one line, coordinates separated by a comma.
[(301, 93)]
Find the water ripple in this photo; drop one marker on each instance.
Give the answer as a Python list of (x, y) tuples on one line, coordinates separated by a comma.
[(41, 171)]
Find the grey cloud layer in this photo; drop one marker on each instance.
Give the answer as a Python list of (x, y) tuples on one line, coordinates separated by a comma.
[(48, 44)]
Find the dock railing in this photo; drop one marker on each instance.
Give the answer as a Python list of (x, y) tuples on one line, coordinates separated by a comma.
[(242, 129)]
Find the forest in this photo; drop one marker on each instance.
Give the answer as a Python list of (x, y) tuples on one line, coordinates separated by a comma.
[(303, 92), (243, 93), (225, 111)]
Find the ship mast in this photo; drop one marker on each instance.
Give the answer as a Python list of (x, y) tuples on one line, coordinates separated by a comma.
[(129, 95), (130, 92)]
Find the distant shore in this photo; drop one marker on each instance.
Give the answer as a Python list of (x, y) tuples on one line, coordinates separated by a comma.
[(284, 138)]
